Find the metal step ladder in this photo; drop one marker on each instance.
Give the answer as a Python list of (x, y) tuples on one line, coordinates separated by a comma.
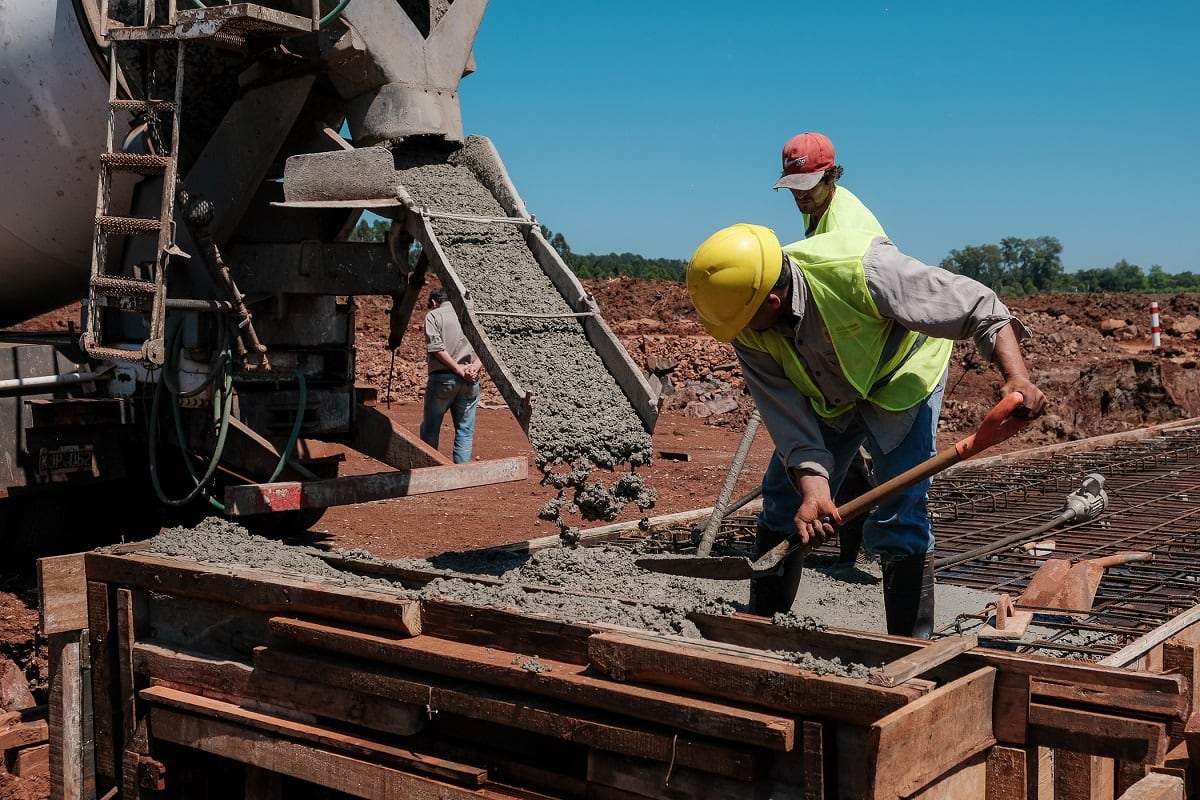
[(141, 290)]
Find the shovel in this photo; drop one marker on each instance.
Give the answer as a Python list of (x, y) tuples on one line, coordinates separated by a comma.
[(1060, 586), (999, 425)]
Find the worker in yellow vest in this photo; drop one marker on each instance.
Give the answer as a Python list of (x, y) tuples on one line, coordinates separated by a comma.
[(810, 174), (843, 341)]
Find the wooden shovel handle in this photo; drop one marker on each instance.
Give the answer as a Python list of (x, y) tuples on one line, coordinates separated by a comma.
[(1120, 558), (998, 425)]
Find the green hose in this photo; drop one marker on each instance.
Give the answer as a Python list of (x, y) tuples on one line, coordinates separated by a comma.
[(222, 406), (295, 435), (325, 20)]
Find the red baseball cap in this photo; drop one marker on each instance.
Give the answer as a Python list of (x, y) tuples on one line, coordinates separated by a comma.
[(806, 156)]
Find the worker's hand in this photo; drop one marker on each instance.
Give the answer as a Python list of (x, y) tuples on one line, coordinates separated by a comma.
[(1033, 403), (470, 372), (816, 510)]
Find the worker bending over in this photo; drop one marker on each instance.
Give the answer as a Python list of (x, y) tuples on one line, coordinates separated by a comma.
[(844, 340), (810, 174)]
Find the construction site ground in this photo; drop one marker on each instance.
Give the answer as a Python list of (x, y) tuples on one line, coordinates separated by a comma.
[(1091, 355)]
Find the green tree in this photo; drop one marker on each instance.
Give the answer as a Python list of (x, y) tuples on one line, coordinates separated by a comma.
[(370, 231), (983, 263)]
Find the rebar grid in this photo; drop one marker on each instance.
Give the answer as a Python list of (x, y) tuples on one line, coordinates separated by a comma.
[(1154, 505)]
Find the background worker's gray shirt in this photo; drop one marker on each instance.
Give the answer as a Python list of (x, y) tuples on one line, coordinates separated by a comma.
[(926, 299), (444, 332)]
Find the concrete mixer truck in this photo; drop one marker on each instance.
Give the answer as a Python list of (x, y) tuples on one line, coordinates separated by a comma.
[(189, 171)]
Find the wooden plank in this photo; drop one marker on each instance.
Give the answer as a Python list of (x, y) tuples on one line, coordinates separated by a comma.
[(295, 495), (258, 590), (127, 633), (742, 675), (30, 762), (921, 661), (1118, 700), (1162, 691), (231, 681), (1156, 786), (1078, 776), (1010, 709), (1178, 764), (1180, 657), (1007, 774), (911, 747), (311, 764), (547, 678), (105, 715), (814, 760), (24, 734), (668, 781), (968, 780), (69, 741), (62, 594), (560, 721), (1095, 734), (1140, 647), (266, 724), (507, 630)]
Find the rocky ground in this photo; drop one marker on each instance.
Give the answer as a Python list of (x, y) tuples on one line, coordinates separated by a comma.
[(1091, 355)]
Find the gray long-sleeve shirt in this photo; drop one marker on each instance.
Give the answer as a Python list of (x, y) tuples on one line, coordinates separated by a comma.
[(926, 299)]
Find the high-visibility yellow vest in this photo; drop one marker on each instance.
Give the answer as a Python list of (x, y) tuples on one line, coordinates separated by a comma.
[(832, 267), (845, 212)]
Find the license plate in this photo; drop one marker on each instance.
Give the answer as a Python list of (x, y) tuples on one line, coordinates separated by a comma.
[(67, 459)]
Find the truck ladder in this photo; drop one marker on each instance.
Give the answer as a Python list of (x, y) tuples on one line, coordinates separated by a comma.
[(114, 290)]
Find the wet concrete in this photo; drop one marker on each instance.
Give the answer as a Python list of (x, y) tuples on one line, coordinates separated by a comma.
[(581, 418), (579, 584)]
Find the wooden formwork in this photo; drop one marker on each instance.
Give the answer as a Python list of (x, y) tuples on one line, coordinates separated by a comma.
[(174, 679)]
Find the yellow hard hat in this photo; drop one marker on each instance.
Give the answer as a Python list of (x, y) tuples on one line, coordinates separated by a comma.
[(731, 274)]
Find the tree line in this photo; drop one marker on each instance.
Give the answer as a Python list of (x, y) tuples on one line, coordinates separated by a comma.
[(1014, 267)]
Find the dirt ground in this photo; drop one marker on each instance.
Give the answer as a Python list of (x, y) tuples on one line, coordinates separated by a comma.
[(1091, 355)]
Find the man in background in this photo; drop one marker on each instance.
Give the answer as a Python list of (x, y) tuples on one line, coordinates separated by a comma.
[(453, 383), (810, 173)]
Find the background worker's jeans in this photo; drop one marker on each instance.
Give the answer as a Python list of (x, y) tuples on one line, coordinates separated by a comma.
[(897, 528), (445, 391)]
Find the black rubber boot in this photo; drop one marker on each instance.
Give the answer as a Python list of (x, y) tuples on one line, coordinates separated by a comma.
[(775, 595), (908, 596)]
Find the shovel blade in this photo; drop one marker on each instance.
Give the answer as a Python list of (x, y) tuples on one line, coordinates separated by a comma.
[(1047, 582), (717, 568)]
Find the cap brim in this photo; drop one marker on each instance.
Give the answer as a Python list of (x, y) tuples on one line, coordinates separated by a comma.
[(803, 181)]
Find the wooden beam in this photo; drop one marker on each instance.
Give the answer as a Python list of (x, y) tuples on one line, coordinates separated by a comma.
[(264, 498), (62, 594), (267, 725), (921, 661), (743, 675), (1167, 692), (666, 781), (561, 721), (1094, 734), (547, 678), (105, 715), (1007, 774), (1140, 647), (911, 747), (304, 692), (258, 590), (311, 764), (72, 772)]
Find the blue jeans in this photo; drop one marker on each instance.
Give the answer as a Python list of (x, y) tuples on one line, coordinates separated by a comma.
[(445, 391), (897, 528)]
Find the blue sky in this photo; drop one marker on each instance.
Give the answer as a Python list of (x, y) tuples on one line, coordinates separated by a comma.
[(645, 126)]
